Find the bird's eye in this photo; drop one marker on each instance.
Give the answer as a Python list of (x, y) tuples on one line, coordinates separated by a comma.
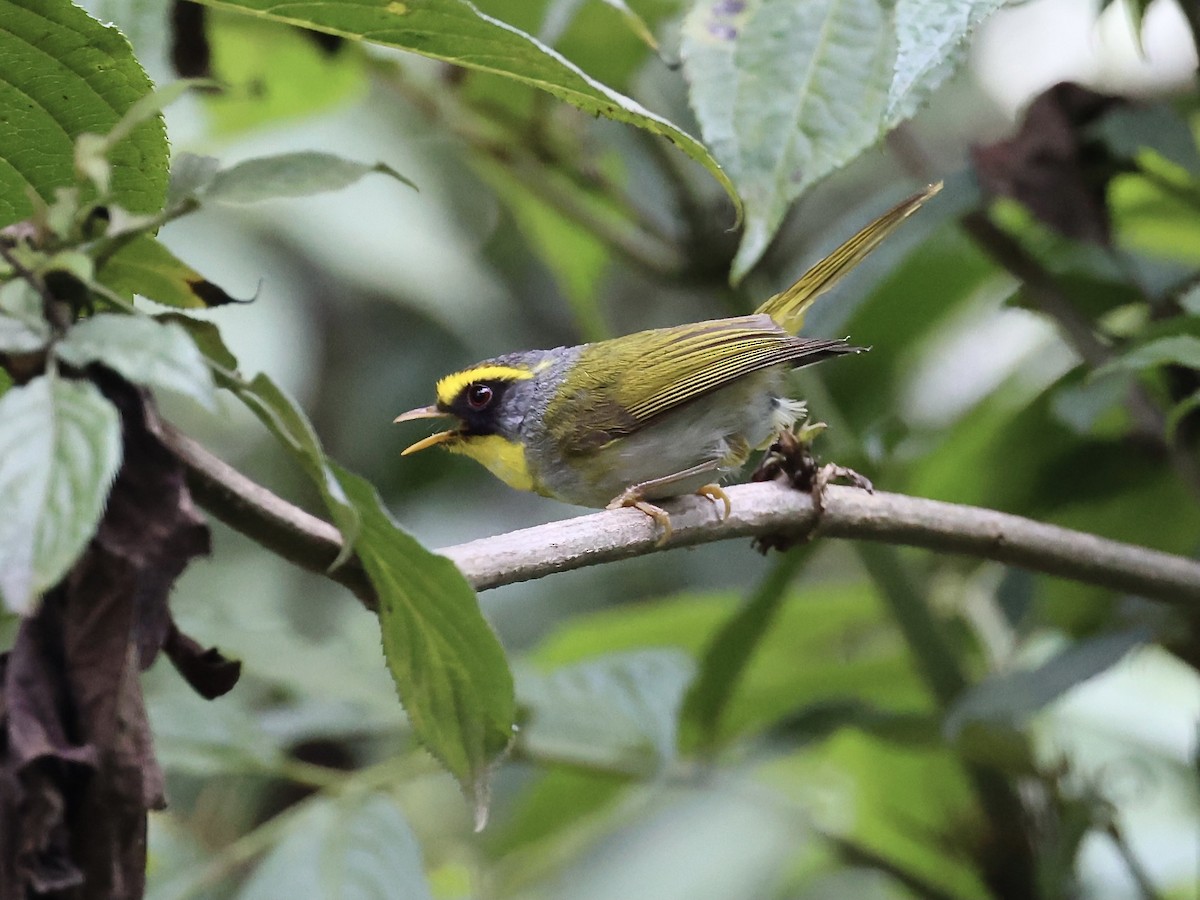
[(479, 396)]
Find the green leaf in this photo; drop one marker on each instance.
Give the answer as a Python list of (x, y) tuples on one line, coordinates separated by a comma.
[(146, 351), (92, 151), (356, 846), (1161, 220), (1180, 411), (575, 256), (997, 745), (801, 660), (727, 655), (63, 74), (283, 416), (896, 801), (1190, 300), (456, 32), (145, 266), (932, 39), (1011, 697), (1179, 350), (787, 93), (207, 337), (191, 173), (551, 813), (635, 22), (449, 668), (616, 713), (298, 174), (1130, 130), (60, 449), (23, 326), (596, 35), (274, 73)]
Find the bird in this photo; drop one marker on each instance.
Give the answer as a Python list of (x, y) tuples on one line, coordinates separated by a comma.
[(659, 413)]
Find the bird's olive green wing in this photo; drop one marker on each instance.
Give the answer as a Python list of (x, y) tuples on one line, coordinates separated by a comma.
[(618, 387)]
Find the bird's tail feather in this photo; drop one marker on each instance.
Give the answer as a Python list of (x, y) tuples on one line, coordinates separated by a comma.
[(788, 307)]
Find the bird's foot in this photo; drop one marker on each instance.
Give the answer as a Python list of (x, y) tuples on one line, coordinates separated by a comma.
[(790, 460), (831, 472), (716, 494), (634, 499)]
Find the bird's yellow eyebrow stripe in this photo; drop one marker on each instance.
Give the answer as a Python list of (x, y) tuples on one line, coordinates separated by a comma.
[(451, 386)]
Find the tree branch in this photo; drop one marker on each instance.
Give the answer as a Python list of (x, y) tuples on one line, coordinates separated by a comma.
[(848, 513), (758, 509)]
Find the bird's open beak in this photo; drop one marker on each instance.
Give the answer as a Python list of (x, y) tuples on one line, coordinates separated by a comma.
[(426, 412)]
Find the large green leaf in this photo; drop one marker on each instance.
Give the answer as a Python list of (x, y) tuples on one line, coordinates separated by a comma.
[(826, 645), (455, 31), (449, 668), (616, 713), (63, 74), (349, 848), (146, 351), (787, 92), (60, 449), (1011, 697)]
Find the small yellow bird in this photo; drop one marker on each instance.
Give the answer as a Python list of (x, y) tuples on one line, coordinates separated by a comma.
[(650, 415)]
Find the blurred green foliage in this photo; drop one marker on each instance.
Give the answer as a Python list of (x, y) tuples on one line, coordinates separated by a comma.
[(831, 768)]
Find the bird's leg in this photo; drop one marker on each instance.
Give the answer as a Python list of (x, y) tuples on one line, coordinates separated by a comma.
[(739, 452), (635, 495)]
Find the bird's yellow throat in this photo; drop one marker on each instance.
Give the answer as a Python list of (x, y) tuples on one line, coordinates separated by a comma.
[(503, 458)]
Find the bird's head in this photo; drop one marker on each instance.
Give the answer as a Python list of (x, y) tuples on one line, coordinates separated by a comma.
[(489, 400)]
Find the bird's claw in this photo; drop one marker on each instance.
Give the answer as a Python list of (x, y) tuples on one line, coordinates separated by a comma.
[(716, 493), (662, 518), (790, 460)]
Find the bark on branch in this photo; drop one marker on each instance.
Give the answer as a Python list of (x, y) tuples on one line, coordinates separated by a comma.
[(758, 509)]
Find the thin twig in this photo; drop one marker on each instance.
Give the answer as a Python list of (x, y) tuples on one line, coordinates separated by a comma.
[(53, 309), (246, 506), (1136, 870), (757, 509)]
